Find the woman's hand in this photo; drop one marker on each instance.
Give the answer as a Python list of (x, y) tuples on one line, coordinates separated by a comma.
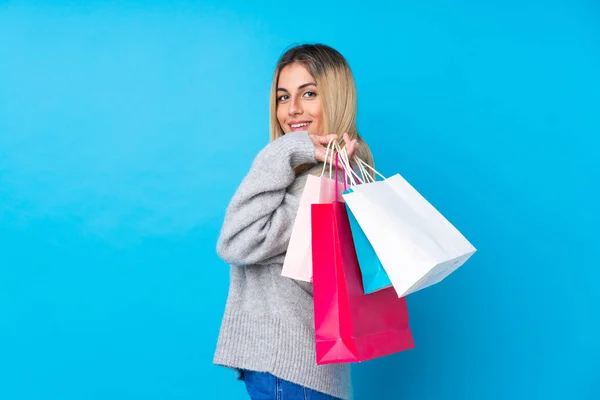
[(321, 142), (351, 145)]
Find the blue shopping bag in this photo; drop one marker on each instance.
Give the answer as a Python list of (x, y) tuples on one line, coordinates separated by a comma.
[(374, 277)]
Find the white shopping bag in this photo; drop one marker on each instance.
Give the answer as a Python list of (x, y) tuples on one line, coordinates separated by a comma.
[(317, 190), (416, 245)]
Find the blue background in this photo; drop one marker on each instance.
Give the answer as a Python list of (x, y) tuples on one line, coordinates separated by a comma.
[(125, 129)]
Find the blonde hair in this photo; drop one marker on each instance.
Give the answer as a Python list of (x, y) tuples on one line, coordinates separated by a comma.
[(337, 90)]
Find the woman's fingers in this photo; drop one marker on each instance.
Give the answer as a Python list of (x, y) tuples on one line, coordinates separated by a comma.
[(320, 153), (321, 142), (351, 145), (325, 140)]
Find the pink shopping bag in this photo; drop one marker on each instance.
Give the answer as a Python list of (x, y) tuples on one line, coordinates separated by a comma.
[(350, 326), (298, 260)]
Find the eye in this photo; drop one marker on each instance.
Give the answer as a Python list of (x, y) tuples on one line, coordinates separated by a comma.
[(283, 97), (310, 94)]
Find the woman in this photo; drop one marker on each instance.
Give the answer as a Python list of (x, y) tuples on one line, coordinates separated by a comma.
[(267, 332)]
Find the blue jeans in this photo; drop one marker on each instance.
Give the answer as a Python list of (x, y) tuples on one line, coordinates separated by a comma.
[(264, 386)]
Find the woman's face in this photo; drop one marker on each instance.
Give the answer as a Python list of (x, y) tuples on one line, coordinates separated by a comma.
[(298, 102)]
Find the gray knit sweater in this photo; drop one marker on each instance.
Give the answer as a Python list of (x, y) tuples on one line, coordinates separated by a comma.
[(268, 325)]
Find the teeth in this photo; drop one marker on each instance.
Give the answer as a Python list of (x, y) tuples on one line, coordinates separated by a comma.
[(300, 125)]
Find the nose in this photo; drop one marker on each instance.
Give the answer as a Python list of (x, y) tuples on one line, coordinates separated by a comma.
[(295, 107)]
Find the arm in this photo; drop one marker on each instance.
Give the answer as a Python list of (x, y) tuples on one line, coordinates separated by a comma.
[(259, 219)]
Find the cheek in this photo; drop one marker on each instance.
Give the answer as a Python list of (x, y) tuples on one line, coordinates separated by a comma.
[(316, 112), (281, 115), (317, 117)]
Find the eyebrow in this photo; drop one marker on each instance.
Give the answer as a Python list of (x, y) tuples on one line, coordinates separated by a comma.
[(299, 87)]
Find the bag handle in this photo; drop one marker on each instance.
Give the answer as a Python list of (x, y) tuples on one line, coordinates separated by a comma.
[(364, 164), (329, 147), (343, 159), (367, 177), (350, 174), (337, 182)]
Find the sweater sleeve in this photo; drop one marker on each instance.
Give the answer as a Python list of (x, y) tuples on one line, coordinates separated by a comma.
[(258, 221)]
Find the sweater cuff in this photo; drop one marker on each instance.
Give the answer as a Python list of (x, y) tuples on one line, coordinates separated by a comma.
[(297, 146)]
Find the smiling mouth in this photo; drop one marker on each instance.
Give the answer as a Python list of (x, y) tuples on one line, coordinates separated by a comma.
[(300, 125)]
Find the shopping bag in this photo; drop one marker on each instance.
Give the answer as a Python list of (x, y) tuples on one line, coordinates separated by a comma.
[(416, 245), (350, 326), (297, 263), (373, 274)]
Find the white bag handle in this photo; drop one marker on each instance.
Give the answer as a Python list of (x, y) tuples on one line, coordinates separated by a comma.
[(329, 147), (342, 160), (347, 167), (363, 172), (364, 164)]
